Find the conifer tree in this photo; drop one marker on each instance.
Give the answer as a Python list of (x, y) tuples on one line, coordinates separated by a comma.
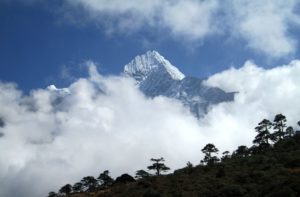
[(158, 166), (225, 155), (78, 187), (242, 151), (89, 183), (279, 124), (105, 179), (52, 194), (66, 190), (208, 150), (289, 132), (140, 174), (263, 131)]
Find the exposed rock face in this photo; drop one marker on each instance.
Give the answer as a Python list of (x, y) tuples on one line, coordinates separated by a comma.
[(156, 76)]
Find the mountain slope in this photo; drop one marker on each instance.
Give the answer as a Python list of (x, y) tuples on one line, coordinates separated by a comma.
[(156, 76), (255, 172)]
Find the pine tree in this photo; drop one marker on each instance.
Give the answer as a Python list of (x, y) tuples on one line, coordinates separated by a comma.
[(158, 166), (263, 131), (89, 183), (104, 179), (52, 194), (225, 156), (78, 187), (66, 190), (208, 150), (289, 132), (140, 174), (242, 151), (279, 124)]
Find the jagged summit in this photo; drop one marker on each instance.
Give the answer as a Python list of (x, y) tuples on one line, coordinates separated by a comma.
[(151, 62), (156, 76)]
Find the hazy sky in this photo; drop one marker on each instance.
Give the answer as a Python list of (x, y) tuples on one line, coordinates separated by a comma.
[(104, 121)]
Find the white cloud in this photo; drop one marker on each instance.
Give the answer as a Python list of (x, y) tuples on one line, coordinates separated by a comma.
[(46, 145), (265, 25), (106, 123), (262, 92), (190, 19)]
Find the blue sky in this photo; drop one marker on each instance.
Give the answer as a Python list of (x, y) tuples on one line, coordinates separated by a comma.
[(43, 43)]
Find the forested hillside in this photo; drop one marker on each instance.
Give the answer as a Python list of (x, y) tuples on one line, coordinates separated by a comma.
[(271, 167)]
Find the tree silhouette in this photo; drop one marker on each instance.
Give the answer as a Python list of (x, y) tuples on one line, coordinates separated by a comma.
[(123, 179), (78, 187), (189, 167), (66, 190), (158, 166), (225, 156), (105, 179), (89, 183), (289, 132), (298, 132), (242, 151), (263, 131), (140, 174), (279, 125), (52, 194), (208, 150), (189, 164)]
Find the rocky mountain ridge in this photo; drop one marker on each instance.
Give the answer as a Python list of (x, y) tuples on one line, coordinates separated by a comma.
[(156, 76)]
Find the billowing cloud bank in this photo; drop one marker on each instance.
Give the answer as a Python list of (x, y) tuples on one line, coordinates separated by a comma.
[(106, 123), (103, 123)]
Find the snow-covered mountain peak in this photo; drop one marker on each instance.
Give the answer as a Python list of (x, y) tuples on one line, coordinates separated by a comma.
[(151, 62), (156, 76)]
